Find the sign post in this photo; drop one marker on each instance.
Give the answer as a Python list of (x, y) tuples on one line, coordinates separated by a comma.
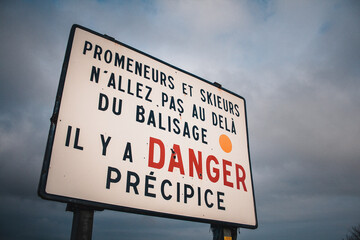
[(133, 133), (82, 224), (223, 232)]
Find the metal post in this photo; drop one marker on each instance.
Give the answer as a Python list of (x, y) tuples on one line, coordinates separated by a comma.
[(82, 221), (223, 232)]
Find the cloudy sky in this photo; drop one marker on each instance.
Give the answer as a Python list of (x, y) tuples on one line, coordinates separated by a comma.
[(297, 64)]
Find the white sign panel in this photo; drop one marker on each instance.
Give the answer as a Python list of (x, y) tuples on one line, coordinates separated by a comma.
[(135, 134)]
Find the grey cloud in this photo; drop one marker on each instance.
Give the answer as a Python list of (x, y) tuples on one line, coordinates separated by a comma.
[(297, 65)]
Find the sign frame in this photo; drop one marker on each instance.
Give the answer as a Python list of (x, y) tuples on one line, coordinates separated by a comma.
[(98, 205)]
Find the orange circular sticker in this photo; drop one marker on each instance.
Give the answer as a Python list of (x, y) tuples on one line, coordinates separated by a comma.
[(225, 143)]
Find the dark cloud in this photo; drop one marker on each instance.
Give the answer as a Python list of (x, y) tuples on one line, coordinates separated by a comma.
[(296, 63), (30, 56)]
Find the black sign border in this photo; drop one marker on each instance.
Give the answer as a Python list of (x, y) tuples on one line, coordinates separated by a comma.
[(97, 205)]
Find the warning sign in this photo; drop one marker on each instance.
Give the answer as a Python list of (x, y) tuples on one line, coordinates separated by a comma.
[(133, 133)]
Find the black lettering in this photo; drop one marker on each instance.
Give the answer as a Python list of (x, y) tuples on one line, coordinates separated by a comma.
[(105, 144), (180, 108), (231, 108), (202, 92), (103, 99), (226, 105), (171, 84), (138, 89), (151, 119), (164, 99), (132, 184), (87, 47), (146, 71), (209, 205), (129, 64), (129, 87), (162, 79), (147, 97), (226, 126), (112, 180), (219, 102), (186, 130), (118, 110), (160, 123), (186, 193), (220, 200), (119, 61), (202, 113), (155, 78), (76, 142), (184, 88), (95, 72), (68, 136), (214, 119), (138, 68), (128, 152), (119, 86), (199, 196), (190, 87), (140, 114), (221, 121), (108, 56), (166, 197), (169, 124), (177, 128), (149, 186), (233, 130), (195, 132), (172, 104), (97, 52), (209, 98), (237, 110), (203, 135), (111, 82), (194, 112), (178, 192)]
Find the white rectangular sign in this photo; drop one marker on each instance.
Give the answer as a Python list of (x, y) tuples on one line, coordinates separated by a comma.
[(133, 133)]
